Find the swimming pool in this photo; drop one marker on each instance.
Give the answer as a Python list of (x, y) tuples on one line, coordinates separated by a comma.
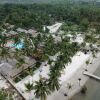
[(18, 46)]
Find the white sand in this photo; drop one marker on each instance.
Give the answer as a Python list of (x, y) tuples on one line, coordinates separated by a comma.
[(70, 69), (77, 62), (59, 95), (54, 28)]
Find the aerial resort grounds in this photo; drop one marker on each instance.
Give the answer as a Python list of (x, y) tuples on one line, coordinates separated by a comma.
[(46, 61)]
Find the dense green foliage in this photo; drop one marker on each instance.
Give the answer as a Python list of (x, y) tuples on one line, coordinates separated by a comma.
[(41, 89), (29, 86), (4, 95), (37, 15)]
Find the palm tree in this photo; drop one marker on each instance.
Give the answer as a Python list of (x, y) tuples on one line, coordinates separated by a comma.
[(41, 89), (30, 71), (79, 79), (29, 86), (93, 56), (54, 84), (69, 86), (18, 53), (3, 40), (17, 39), (53, 81), (50, 61), (30, 45), (87, 63), (5, 53), (5, 95), (84, 90), (20, 62)]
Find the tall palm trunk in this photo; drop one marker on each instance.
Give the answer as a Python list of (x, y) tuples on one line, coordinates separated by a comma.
[(41, 98)]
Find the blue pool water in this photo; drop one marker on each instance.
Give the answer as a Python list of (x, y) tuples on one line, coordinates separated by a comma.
[(18, 46)]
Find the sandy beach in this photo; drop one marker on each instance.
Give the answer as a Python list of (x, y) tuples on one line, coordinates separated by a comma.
[(73, 80), (70, 75)]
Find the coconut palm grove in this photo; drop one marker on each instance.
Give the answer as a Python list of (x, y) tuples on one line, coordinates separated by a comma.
[(46, 47)]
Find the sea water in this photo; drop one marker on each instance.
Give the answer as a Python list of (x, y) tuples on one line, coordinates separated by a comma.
[(93, 89)]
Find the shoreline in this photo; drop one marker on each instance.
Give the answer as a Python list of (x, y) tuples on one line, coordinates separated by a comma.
[(78, 59), (73, 80)]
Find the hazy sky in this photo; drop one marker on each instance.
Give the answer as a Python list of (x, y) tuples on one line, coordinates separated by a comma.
[(12, 1)]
